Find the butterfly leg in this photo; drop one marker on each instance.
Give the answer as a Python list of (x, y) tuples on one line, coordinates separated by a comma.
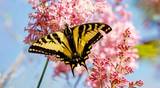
[(72, 68), (84, 65), (82, 62)]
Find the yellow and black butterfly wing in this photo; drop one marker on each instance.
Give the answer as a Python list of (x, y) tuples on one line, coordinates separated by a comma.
[(86, 35), (73, 45), (53, 44)]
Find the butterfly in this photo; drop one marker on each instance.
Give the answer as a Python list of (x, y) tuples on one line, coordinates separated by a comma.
[(72, 45)]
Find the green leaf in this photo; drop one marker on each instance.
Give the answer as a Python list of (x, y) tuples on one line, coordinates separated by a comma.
[(149, 49)]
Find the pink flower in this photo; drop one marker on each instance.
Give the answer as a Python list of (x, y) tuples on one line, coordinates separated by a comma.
[(98, 75), (34, 3), (61, 68), (120, 56), (138, 83)]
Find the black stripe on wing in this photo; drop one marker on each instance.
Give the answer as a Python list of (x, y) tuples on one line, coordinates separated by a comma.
[(106, 28), (69, 35), (96, 38), (40, 50), (88, 46)]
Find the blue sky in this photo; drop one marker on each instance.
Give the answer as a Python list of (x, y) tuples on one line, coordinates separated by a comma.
[(14, 13)]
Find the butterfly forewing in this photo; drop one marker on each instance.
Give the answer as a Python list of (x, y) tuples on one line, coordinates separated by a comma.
[(87, 34), (55, 43)]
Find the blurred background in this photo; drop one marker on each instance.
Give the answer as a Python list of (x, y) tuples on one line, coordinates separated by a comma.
[(19, 69)]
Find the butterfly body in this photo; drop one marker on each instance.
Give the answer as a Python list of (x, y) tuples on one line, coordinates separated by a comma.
[(72, 45)]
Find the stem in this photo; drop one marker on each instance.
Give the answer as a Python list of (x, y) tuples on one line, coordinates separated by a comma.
[(100, 84), (79, 78), (42, 75), (67, 78)]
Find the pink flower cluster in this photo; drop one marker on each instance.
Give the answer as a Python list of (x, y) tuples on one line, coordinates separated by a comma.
[(114, 61), (113, 57)]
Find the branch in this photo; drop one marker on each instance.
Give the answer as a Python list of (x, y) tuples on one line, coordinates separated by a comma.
[(12, 69)]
